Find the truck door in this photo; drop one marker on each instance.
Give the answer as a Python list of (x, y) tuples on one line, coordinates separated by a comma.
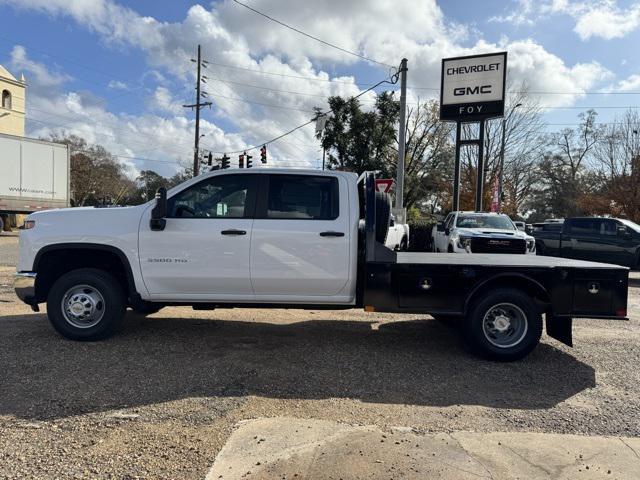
[(441, 239), (581, 240), (617, 247), (301, 236), (203, 252)]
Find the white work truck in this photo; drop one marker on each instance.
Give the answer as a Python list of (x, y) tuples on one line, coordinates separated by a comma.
[(397, 236), (276, 238), (480, 232)]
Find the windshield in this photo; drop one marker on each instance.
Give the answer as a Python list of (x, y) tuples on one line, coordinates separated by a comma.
[(631, 225), (501, 222)]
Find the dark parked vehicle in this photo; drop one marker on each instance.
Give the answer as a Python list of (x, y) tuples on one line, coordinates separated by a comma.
[(607, 240)]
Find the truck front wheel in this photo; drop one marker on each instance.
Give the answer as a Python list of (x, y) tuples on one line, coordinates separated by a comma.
[(504, 325), (86, 304)]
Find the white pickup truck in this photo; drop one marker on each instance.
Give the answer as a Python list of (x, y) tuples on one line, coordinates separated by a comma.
[(479, 232), (397, 236), (274, 238)]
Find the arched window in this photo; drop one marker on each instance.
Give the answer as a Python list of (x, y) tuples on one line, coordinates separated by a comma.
[(6, 99)]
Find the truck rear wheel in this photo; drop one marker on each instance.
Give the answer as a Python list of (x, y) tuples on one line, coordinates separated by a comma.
[(86, 304), (504, 325)]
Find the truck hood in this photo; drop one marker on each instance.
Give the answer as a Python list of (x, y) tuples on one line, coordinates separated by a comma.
[(75, 213), (491, 232), (111, 227)]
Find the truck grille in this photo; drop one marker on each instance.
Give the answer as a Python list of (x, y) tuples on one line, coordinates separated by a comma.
[(498, 245)]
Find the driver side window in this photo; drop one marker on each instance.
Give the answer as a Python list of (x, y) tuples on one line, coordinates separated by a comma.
[(221, 196)]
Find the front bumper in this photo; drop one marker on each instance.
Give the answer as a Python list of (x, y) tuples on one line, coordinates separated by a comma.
[(24, 283)]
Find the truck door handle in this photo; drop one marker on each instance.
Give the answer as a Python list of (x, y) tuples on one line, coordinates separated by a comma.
[(331, 234), (233, 231)]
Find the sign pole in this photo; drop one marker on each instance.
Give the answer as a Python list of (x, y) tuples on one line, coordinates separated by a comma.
[(480, 173), (401, 142), (456, 171)]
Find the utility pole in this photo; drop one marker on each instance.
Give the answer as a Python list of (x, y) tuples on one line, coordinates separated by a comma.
[(401, 143), (197, 106)]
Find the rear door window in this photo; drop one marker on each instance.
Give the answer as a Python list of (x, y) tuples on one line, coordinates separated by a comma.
[(609, 228), (585, 226), (302, 197)]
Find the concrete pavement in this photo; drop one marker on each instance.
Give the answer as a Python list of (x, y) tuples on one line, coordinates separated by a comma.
[(268, 448)]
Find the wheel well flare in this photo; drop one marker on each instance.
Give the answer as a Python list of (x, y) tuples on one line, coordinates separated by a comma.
[(55, 262)]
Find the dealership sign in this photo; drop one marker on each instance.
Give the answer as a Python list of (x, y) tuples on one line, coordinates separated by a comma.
[(472, 88)]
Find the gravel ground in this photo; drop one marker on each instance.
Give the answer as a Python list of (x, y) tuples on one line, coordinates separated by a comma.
[(8, 249), (160, 399)]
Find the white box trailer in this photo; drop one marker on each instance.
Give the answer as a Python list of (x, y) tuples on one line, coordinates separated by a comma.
[(34, 175)]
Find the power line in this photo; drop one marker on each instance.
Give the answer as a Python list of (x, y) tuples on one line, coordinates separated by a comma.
[(215, 95), (287, 75), (393, 79), (312, 37)]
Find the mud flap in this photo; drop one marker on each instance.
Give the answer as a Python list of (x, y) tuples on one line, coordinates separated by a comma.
[(560, 329)]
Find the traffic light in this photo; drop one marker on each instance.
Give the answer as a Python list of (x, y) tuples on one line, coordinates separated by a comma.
[(210, 159), (263, 154), (225, 161), (241, 160), (249, 157)]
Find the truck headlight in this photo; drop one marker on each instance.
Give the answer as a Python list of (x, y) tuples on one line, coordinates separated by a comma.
[(464, 242), (28, 224), (531, 245)]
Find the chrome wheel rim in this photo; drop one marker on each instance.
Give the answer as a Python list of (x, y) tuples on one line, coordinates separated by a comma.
[(83, 306), (505, 325)]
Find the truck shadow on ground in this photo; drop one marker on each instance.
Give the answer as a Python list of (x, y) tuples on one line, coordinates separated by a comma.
[(163, 359)]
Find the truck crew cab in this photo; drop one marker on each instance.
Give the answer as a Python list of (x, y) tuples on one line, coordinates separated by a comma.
[(598, 239), (276, 238)]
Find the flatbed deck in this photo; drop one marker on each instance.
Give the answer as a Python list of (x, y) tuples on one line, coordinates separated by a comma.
[(496, 259)]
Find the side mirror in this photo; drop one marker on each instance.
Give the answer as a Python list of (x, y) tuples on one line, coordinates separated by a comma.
[(440, 226), (159, 212), (447, 231), (392, 222)]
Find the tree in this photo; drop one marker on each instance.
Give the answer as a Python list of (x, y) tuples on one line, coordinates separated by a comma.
[(429, 157), (566, 184), (147, 184), (618, 162), (357, 140), (523, 148), (96, 175)]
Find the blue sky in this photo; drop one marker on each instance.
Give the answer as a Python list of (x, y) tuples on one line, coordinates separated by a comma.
[(117, 73)]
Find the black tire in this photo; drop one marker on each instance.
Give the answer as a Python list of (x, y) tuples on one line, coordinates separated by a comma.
[(517, 343), (383, 216), (1, 225), (77, 289), (449, 249), (404, 244)]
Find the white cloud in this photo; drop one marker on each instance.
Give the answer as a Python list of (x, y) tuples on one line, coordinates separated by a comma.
[(606, 20), (629, 84), (523, 14), (593, 18), (163, 101), (117, 85), (37, 75), (231, 35)]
